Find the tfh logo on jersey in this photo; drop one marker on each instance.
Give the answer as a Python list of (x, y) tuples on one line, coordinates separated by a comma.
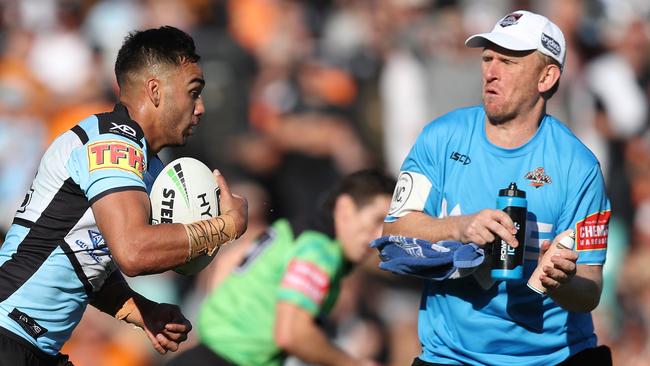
[(538, 177), (115, 154)]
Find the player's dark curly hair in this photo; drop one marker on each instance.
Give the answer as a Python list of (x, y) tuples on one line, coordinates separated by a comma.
[(363, 186), (143, 49)]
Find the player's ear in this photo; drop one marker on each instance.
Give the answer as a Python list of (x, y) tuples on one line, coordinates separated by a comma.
[(153, 88), (548, 77), (344, 208)]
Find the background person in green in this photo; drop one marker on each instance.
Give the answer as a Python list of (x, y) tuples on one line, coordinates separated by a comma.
[(265, 310)]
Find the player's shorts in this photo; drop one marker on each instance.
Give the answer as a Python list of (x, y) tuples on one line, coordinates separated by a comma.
[(17, 352), (600, 356), (199, 355)]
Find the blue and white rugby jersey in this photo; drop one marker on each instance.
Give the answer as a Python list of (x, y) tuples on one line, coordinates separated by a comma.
[(54, 256), (453, 169)]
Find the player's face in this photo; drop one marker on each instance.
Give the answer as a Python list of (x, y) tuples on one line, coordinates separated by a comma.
[(510, 82), (364, 225), (183, 104)]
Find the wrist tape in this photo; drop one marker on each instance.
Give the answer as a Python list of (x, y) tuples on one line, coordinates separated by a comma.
[(127, 308), (206, 236)]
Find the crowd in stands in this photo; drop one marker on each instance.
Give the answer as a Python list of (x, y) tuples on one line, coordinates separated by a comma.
[(299, 93)]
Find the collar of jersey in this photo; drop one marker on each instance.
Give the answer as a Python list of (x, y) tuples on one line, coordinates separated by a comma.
[(122, 112), (518, 151)]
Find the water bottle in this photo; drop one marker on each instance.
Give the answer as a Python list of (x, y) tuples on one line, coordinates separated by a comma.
[(508, 262)]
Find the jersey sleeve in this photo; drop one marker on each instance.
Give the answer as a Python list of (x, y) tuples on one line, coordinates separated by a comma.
[(106, 164), (417, 182), (588, 213), (308, 276)]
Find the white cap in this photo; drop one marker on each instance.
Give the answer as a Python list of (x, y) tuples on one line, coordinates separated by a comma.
[(522, 31)]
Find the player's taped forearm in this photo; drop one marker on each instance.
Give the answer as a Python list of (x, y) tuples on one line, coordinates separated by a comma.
[(206, 236), (115, 297), (127, 308)]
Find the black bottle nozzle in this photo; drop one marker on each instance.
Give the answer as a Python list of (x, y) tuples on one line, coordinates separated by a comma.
[(512, 191)]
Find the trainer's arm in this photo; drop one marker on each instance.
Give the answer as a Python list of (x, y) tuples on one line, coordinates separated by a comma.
[(479, 228), (296, 333), (582, 292), (141, 248), (575, 287)]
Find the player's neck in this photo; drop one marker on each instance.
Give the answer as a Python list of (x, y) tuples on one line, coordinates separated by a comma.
[(516, 131), (139, 113)]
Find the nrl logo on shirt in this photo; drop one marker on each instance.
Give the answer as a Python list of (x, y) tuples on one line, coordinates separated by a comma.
[(538, 177)]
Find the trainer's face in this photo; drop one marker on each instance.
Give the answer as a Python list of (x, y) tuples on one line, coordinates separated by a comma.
[(510, 82), (183, 106), (362, 225)]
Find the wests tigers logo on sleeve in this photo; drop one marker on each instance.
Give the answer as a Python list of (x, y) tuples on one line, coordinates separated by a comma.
[(115, 154), (591, 233)]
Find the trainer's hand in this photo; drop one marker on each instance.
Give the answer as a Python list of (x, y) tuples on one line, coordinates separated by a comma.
[(164, 324), (564, 265), (483, 227), (234, 205)]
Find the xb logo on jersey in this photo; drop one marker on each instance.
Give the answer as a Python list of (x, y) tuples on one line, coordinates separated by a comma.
[(114, 154), (126, 129)]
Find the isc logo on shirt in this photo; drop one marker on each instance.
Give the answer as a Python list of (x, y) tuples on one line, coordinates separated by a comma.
[(114, 154)]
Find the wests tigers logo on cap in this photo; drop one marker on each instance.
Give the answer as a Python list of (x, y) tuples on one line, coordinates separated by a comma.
[(510, 19)]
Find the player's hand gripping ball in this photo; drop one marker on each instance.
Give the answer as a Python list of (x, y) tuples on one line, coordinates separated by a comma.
[(184, 192)]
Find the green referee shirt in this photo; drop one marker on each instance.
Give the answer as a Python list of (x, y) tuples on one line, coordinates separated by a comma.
[(237, 319)]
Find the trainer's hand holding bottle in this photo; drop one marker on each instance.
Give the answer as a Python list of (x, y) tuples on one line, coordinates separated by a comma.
[(508, 262)]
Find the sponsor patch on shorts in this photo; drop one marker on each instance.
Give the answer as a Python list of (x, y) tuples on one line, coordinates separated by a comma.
[(591, 233), (115, 154), (307, 278)]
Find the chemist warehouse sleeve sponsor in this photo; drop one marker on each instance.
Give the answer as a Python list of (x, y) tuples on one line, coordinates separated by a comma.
[(591, 233), (115, 154)]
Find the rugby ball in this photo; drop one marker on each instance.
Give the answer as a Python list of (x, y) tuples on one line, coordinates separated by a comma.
[(185, 191)]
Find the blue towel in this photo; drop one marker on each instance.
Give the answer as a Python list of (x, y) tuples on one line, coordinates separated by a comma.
[(421, 258)]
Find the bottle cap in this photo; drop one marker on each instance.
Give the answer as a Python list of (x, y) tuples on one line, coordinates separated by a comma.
[(568, 241), (512, 191)]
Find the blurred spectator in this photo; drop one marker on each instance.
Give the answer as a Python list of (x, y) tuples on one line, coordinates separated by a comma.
[(23, 101), (304, 136), (60, 57), (229, 72), (427, 71), (121, 17), (621, 102), (314, 89)]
